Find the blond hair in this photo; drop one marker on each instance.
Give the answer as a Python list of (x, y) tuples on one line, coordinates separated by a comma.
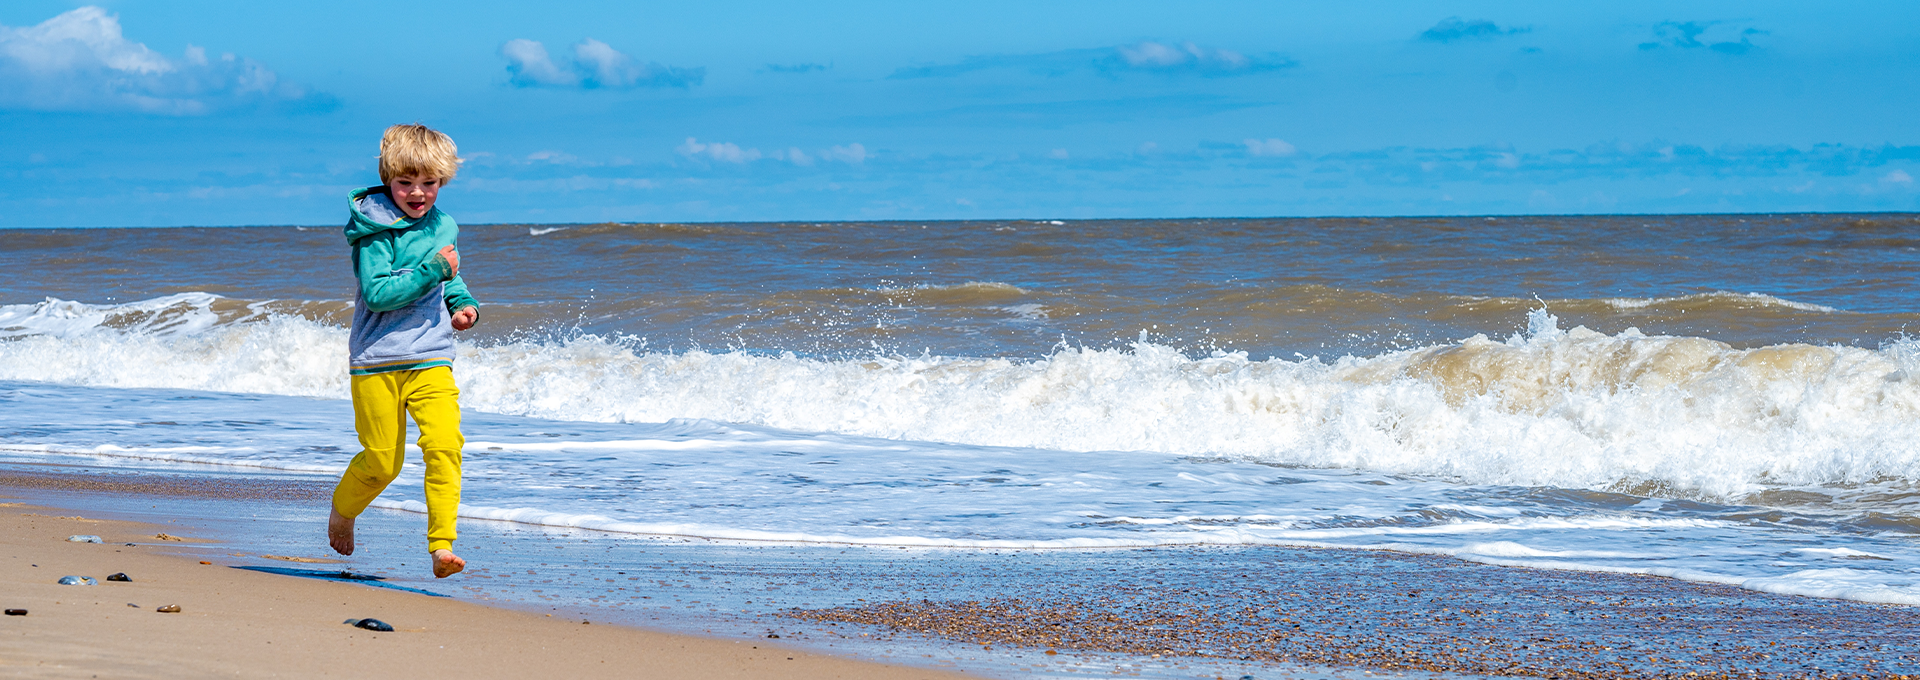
[(415, 149)]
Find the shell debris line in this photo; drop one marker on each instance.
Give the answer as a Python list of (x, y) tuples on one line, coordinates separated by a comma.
[(1419, 613)]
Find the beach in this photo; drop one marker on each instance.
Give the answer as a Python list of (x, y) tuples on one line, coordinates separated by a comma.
[(237, 622), (1176, 612), (1613, 446)]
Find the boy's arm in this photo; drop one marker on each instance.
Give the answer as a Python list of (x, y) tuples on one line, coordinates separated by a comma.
[(457, 296), (386, 290)]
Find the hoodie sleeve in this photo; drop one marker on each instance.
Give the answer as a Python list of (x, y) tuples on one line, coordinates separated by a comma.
[(457, 296), (387, 285)]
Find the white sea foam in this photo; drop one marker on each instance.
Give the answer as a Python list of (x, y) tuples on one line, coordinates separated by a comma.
[(1566, 408), (226, 456)]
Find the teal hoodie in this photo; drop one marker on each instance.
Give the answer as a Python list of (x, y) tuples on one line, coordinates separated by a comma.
[(402, 313)]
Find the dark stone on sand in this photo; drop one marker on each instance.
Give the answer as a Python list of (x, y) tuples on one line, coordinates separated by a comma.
[(375, 625), (120, 576), (774, 636), (16, 612), (168, 609)]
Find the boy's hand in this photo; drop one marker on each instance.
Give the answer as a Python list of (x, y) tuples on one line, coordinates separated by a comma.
[(453, 260), (465, 318)]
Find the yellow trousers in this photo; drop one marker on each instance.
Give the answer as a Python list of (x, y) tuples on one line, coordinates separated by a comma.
[(381, 403)]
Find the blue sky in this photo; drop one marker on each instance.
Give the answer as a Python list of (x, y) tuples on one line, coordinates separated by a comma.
[(150, 113)]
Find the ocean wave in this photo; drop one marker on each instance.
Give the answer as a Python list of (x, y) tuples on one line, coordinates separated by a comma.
[(1573, 408), (1717, 299)]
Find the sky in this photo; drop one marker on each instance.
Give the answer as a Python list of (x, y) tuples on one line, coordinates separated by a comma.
[(152, 113)]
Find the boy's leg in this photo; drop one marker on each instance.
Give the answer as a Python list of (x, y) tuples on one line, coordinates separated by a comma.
[(434, 402), (380, 420)]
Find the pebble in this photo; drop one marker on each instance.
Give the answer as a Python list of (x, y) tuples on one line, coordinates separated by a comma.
[(168, 609), (77, 581), (84, 538), (375, 625), (119, 576), (16, 612)]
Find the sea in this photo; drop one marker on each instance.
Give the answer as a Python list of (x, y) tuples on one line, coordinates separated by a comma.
[(1725, 399)]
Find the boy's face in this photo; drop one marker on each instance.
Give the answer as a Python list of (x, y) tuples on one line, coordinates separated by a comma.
[(415, 193)]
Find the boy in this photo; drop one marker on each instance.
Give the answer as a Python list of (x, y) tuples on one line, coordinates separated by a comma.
[(400, 352)]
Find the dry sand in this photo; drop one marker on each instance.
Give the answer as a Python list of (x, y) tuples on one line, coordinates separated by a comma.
[(234, 622)]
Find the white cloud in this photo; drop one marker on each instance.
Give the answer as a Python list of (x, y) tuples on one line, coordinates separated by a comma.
[(728, 152), (80, 60), (1160, 55), (1189, 57), (725, 152), (528, 61), (595, 65), (852, 153), (1269, 147), (1897, 177), (554, 157), (1059, 154)]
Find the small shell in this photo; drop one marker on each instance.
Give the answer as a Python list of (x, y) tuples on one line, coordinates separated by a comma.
[(84, 538), (168, 609), (77, 581)]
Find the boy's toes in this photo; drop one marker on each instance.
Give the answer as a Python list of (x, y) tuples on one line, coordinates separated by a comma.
[(445, 563), (340, 532)]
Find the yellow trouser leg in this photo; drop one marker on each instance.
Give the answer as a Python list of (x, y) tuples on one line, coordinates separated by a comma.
[(435, 404), (381, 403)]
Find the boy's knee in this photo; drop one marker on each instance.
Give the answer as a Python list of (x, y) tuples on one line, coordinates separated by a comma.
[(441, 440), (376, 468)]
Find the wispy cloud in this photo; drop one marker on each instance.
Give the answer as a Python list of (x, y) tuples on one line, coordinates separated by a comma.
[(728, 152), (853, 154), (1269, 147), (1144, 57), (795, 68), (1454, 29), (595, 65), (1499, 164), (1718, 36), (81, 61), (724, 152), (1192, 58)]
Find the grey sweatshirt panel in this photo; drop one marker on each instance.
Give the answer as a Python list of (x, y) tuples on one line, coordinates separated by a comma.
[(420, 331)]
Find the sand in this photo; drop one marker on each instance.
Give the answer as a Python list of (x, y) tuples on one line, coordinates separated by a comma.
[(240, 623)]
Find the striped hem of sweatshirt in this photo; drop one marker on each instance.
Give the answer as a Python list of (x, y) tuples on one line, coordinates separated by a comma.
[(393, 366)]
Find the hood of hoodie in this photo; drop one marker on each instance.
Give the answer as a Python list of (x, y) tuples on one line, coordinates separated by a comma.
[(374, 211)]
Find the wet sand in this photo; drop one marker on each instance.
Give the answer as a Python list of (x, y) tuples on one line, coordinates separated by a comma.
[(251, 623), (1388, 611), (1160, 612)]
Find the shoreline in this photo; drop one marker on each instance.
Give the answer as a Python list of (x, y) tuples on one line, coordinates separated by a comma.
[(242, 620), (1151, 612)]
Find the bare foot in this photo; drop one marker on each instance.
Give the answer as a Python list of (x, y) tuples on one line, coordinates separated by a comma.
[(445, 563), (340, 532)]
